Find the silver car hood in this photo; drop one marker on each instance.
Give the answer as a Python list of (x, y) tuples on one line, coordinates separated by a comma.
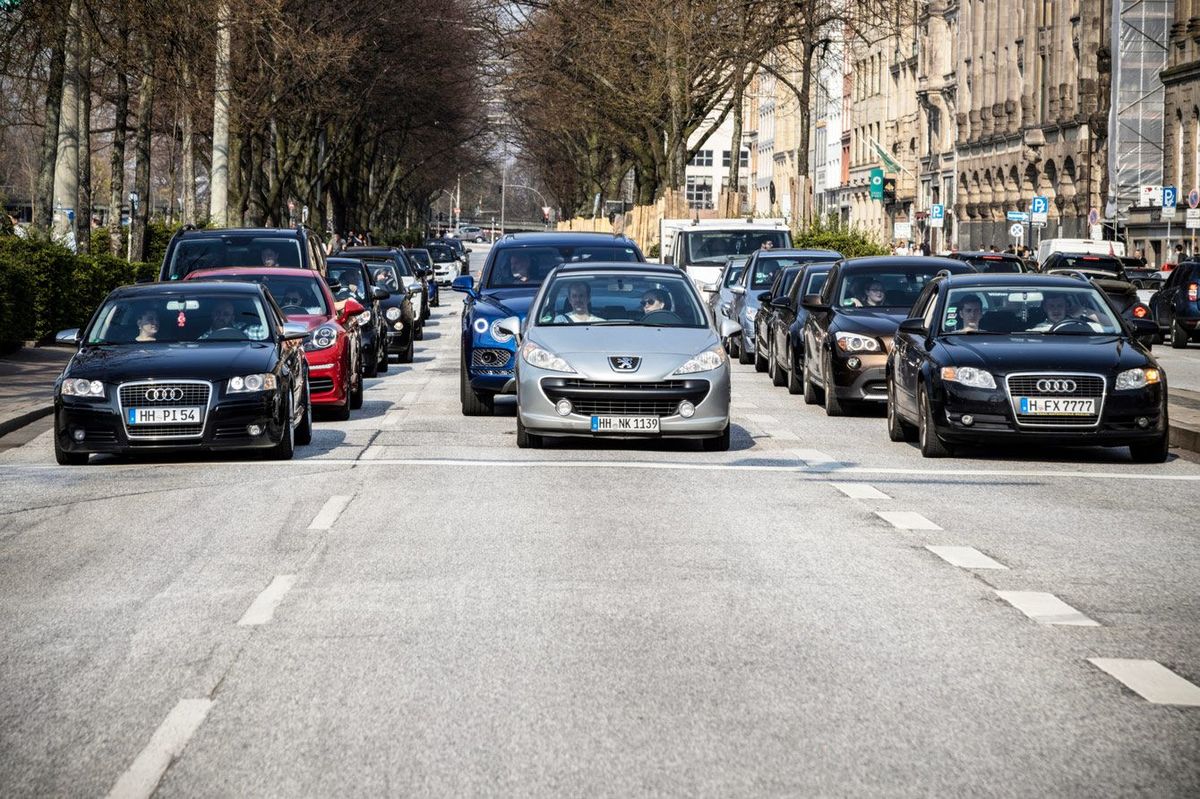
[(588, 348)]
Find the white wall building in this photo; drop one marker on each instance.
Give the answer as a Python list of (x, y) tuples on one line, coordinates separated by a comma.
[(707, 174)]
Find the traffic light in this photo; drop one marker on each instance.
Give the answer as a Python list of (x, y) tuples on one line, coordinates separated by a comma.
[(889, 190)]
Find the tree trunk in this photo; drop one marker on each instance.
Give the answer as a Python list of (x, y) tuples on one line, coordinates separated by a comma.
[(218, 214), (188, 151), (733, 190), (141, 167), (66, 168), (83, 204), (116, 195), (43, 205), (802, 212)]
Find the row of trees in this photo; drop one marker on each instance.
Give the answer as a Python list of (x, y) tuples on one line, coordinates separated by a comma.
[(240, 111), (602, 88)]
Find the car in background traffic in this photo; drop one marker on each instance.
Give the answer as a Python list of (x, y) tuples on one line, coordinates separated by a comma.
[(989, 262), (399, 318), (463, 252), (446, 263), (350, 279), (1175, 309), (1108, 273), (512, 274), (333, 347), (700, 249), (423, 262), (198, 365), (412, 281), (472, 233), (192, 249), (1031, 359), (786, 325), (759, 273), (719, 295), (852, 321), (763, 359), (620, 350)]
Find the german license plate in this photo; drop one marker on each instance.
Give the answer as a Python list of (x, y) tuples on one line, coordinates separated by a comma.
[(140, 416), (1056, 406), (624, 424)]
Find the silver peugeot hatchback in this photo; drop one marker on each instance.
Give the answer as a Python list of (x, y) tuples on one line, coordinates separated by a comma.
[(620, 350)]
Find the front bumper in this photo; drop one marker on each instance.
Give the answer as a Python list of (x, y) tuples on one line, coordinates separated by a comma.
[(326, 381), (864, 382)]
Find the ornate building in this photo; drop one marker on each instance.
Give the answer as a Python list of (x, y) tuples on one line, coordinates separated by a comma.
[(1181, 78)]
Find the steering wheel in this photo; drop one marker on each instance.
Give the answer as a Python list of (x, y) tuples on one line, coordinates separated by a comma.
[(227, 333), (1063, 324), (661, 318), (290, 309)]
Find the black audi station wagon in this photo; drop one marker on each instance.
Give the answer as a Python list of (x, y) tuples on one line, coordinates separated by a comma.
[(188, 365), (1023, 357)]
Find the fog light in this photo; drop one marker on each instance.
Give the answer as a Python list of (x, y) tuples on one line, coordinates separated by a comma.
[(853, 363), (563, 406), (399, 325), (78, 435), (968, 419), (687, 410), (1143, 422), (254, 430)]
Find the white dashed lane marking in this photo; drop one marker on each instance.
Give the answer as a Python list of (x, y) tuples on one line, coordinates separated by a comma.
[(262, 609), (965, 557), (906, 520), (329, 512), (1046, 608), (1150, 680), (860, 491), (168, 742), (813, 456)]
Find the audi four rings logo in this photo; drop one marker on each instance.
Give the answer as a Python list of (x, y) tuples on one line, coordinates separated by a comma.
[(164, 394), (625, 363), (1056, 386)]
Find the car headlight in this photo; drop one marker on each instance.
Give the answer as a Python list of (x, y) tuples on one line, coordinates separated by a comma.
[(540, 358), (364, 318), (392, 314), (79, 387), (853, 342), (322, 338), (247, 383), (704, 362), (968, 376), (499, 334), (1137, 378)]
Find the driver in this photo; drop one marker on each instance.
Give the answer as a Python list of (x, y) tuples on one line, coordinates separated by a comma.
[(1055, 307), (579, 297), (224, 325), (653, 300), (518, 264), (269, 257)]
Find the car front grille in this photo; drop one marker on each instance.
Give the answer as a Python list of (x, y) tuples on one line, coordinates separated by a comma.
[(610, 398), (183, 394), (319, 385), (490, 358), (1085, 386)]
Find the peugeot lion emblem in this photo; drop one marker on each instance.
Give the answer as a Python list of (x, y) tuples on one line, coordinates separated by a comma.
[(624, 363), (1056, 386), (164, 394)]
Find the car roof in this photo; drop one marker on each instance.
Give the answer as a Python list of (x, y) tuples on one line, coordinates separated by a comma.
[(984, 279), (561, 238), (176, 286), (984, 254), (345, 259), (792, 252), (870, 262), (210, 232), (270, 271), (622, 266), (348, 251)]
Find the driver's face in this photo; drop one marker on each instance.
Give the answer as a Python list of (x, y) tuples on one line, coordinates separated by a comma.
[(292, 299), (520, 266), (223, 315), (270, 257), (1055, 308)]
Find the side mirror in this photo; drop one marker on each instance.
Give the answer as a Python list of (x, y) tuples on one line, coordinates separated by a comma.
[(764, 297), (465, 284), (782, 302), (333, 284), (710, 287), (812, 302), (914, 325), (352, 307), (510, 325), (468, 250), (1141, 327), (379, 293), (68, 338), (738, 289), (730, 328), (294, 331)]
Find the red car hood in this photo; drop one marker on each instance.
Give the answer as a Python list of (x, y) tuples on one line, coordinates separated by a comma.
[(312, 322)]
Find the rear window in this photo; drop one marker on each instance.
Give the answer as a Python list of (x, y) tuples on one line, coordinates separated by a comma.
[(213, 252), (1088, 263), (516, 267), (994, 263)]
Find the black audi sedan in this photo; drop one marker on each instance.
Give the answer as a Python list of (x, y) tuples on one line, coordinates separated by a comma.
[(851, 323), (349, 277), (1028, 358), (195, 365)]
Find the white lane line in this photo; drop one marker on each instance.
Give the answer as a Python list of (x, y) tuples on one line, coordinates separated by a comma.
[(906, 520), (141, 778), (860, 491), (1046, 608), (965, 557), (813, 456), (1150, 680), (329, 512), (262, 609)]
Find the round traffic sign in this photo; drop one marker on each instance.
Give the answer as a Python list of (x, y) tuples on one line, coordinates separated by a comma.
[(1194, 198), (1093, 217), (1017, 230)]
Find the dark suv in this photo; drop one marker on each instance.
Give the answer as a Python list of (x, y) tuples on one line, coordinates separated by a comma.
[(192, 249), (1176, 306), (350, 278)]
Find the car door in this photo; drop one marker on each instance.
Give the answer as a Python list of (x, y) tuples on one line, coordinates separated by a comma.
[(816, 329), (1162, 304), (909, 351), (785, 315), (766, 310)]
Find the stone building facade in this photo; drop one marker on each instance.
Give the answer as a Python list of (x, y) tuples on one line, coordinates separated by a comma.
[(1181, 80)]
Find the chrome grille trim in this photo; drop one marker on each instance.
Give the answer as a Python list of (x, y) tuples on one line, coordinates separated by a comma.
[(1088, 386), (195, 393)]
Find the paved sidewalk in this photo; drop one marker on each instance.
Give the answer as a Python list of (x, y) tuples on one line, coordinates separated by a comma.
[(27, 384)]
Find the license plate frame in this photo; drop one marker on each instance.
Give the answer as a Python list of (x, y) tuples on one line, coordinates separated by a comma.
[(1056, 406), (150, 417), (626, 425)]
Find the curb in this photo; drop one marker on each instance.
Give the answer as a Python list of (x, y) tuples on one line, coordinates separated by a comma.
[(17, 422), (1185, 438)]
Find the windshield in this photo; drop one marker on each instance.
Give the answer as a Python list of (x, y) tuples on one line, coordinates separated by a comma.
[(527, 267), (421, 257), (994, 263), (442, 254), (711, 246), (1101, 265), (766, 267), (650, 300), (384, 274), (893, 287), (181, 317), (397, 265), (1028, 309), (210, 252), (294, 295), (350, 280)]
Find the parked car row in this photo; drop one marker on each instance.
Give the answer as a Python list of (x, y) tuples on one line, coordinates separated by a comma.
[(247, 333)]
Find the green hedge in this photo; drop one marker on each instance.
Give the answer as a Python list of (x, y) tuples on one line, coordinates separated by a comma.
[(832, 234), (45, 288)]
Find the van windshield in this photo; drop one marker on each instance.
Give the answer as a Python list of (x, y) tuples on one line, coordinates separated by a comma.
[(712, 246)]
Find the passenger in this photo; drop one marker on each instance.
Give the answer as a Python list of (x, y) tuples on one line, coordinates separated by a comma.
[(873, 296), (518, 265), (579, 297), (653, 300), (767, 244), (269, 257), (970, 311), (148, 326)]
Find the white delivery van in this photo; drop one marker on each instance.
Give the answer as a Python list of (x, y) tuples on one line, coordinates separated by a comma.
[(1047, 247), (700, 248)]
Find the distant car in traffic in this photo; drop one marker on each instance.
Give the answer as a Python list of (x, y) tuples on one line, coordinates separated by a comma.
[(719, 295), (423, 261), (472, 233), (1107, 272), (463, 252), (767, 308), (989, 262), (1176, 307), (757, 278), (446, 263), (192, 249), (411, 277), (349, 278), (1031, 359), (786, 326), (197, 365), (620, 350)]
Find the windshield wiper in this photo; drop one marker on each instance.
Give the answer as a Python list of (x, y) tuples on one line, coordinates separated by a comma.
[(610, 323)]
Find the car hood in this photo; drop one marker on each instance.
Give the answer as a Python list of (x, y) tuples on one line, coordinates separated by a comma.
[(310, 321), (202, 361), (869, 321), (1019, 353), (506, 302), (662, 349)]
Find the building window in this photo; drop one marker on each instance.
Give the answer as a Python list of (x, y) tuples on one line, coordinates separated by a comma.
[(702, 158), (699, 192), (743, 162)]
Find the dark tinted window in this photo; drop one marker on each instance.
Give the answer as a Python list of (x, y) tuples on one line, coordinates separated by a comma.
[(528, 266), (994, 263), (210, 252)]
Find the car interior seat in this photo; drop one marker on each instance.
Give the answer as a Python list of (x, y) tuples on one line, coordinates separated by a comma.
[(1000, 322)]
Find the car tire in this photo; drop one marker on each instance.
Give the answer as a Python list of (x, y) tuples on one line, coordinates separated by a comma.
[(406, 355), (1153, 452), (419, 331), (760, 360), (1179, 336), (64, 458), (812, 395), (526, 439), (717, 443), (304, 430), (286, 448), (794, 383), (371, 365), (356, 396), (833, 405), (743, 356), (898, 429), (931, 445), (472, 403), (778, 376), (385, 360)]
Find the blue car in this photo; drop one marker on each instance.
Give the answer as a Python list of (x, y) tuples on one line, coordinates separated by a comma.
[(515, 268)]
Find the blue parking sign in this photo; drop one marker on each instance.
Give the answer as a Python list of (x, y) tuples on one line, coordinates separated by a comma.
[(1170, 197)]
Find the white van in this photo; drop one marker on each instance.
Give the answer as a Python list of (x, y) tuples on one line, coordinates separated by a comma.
[(1047, 247), (700, 248)]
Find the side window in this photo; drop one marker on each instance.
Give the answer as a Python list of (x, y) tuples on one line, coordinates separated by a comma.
[(927, 303), (827, 291)]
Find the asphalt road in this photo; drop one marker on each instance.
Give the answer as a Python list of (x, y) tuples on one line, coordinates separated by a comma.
[(414, 606)]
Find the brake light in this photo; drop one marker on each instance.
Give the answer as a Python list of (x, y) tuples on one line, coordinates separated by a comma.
[(1193, 291), (1140, 311)]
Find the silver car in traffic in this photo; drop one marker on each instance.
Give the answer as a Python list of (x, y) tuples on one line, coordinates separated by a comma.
[(620, 350)]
